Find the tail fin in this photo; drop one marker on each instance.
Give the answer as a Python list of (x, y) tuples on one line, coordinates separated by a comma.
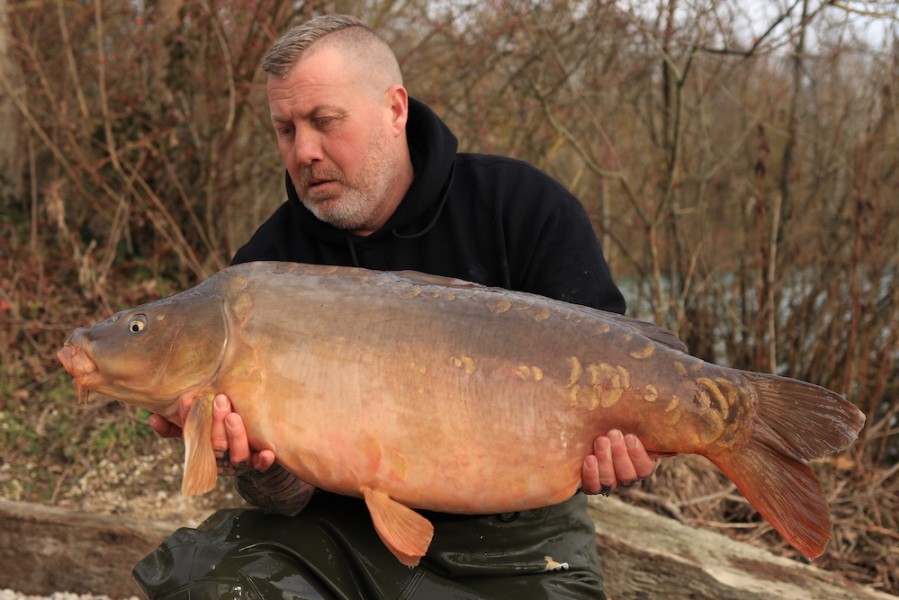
[(796, 422), (804, 420)]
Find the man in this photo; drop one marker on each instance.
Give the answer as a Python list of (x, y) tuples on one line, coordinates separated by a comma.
[(374, 180)]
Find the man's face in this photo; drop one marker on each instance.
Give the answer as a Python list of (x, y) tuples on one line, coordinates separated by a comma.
[(338, 139)]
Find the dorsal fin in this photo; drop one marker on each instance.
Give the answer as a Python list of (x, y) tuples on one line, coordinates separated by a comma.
[(429, 279), (654, 332), (658, 334)]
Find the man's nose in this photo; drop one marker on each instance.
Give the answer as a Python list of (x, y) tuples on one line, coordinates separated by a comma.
[(307, 149)]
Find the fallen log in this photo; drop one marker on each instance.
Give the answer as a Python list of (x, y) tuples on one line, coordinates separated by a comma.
[(44, 549), (646, 555)]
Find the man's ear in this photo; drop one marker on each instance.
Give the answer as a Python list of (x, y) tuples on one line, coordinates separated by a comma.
[(397, 100)]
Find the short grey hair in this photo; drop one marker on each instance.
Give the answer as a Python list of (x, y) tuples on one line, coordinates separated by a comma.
[(348, 31)]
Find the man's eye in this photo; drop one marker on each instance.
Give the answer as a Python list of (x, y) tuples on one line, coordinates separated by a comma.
[(324, 122)]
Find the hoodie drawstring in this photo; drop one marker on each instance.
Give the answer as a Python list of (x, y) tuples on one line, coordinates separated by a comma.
[(440, 206)]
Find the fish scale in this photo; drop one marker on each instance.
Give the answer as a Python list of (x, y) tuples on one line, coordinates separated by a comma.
[(410, 390)]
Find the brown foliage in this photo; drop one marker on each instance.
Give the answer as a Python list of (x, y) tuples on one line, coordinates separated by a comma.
[(743, 181)]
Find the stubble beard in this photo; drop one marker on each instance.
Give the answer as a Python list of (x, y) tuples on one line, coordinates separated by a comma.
[(357, 204)]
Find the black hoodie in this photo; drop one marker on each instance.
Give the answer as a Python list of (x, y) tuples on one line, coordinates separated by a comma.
[(488, 219)]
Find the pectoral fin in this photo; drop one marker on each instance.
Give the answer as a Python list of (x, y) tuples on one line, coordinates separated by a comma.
[(405, 532), (200, 471)]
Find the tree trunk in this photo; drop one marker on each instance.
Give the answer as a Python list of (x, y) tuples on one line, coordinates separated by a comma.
[(10, 169)]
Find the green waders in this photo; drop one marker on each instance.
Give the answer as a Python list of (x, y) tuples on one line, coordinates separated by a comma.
[(331, 551)]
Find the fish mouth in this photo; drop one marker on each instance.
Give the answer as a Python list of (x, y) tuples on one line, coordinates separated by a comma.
[(79, 365), (75, 360)]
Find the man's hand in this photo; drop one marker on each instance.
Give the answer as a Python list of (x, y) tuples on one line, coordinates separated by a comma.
[(617, 461), (163, 426), (258, 479), (229, 437), (230, 443)]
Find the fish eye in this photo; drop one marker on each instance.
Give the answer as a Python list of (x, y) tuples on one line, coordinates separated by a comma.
[(137, 323)]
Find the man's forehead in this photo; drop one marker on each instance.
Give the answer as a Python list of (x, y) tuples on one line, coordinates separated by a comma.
[(309, 84)]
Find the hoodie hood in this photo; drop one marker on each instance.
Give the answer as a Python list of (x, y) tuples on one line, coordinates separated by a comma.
[(432, 147)]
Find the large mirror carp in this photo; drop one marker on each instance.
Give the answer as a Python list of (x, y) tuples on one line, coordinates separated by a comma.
[(419, 392)]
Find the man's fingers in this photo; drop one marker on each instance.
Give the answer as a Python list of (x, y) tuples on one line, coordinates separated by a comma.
[(618, 461), (229, 438), (163, 427), (230, 442), (621, 460), (263, 460), (644, 465), (221, 407), (590, 483), (602, 449), (238, 445)]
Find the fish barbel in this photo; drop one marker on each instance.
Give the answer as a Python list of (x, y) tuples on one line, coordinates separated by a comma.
[(411, 390)]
